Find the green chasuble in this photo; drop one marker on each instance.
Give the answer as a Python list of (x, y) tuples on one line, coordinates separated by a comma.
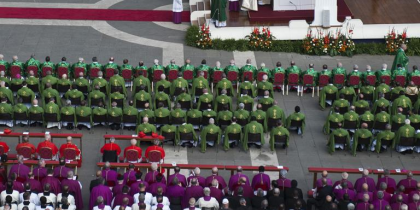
[(84, 111), (112, 65), (82, 82), (361, 104), (25, 92), (399, 72), (367, 117), (233, 128), (115, 112), (203, 67), (5, 80), (49, 79), (101, 82), (267, 71), (210, 129), (339, 70), (225, 115), (36, 110), (406, 131), (116, 81), (116, 96), (255, 128), (16, 81), (367, 90), (199, 83), (340, 132), (358, 74), (247, 85), (266, 100), (95, 65), (162, 96), (19, 64), (275, 112), (178, 113), (218, 10), (63, 82), (167, 129), (334, 117), (179, 83), (51, 93), (184, 128), (214, 69), (313, 73), (265, 86), (147, 113), (402, 101), (33, 81), (246, 99), (366, 74), (241, 114), (20, 108), (248, 68), (382, 102), (296, 116), (415, 73), (416, 106), (348, 92), (188, 67), (341, 103), (294, 70), (382, 117), (165, 83), (6, 66), (155, 67), (386, 135), (63, 64), (414, 118), (360, 133), (33, 62), (278, 131), (224, 84), (68, 111), (52, 108), (47, 64), (77, 65), (396, 91), (324, 72), (194, 113), (74, 93), (205, 98), (260, 115), (99, 111), (162, 112), (184, 97), (231, 67), (6, 93), (143, 96), (96, 94), (275, 71), (400, 58), (130, 111), (126, 67), (141, 80), (146, 128), (6, 108), (209, 113), (142, 67), (351, 116), (382, 72), (382, 88), (223, 99), (171, 67), (329, 89), (398, 118)]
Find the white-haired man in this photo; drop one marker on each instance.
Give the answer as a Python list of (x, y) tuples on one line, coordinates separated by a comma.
[(234, 179), (215, 175), (150, 177), (155, 147), (79, 65), (195, 174), (133, 147), (111, 146), (264, 85), (400, 58), (404, 142), (71, 146), (207, 201), (48, 144)]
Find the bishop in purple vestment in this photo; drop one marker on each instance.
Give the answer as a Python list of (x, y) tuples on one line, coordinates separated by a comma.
[(74, 189), (109, 175), (117, 189), (100, 190), (222, 183), (261, 180), (234, 179), (181, 178), (324, 176), (135, 187), (390, 182), (40, 172), (412, 193), (196, 174), (415, 204), (20, 170), (364, 205), (153, 188), (344, 178), (18, 186), (387, 195), (399, 202), (175, 190), (61, 171), (54, 182), (365, 179), (365, 191), (409, 183), (151, 175), (194, 191), (130, 175), (339, 193), (283, 182), (380, 203), (118, 199), (35, 184), (400, 191), (243, 189)]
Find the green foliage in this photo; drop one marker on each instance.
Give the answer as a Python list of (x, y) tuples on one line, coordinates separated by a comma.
[(191, 37)]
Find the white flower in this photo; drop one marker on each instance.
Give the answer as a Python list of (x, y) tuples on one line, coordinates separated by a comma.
[(313, 44)]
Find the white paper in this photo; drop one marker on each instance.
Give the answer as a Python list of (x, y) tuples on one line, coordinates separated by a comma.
[(380, 170), (398, 170), (173, 164), (47, 132), (68, 161), (134, 136), (360, 169), (280, 167), (1, 132), (25, 133)]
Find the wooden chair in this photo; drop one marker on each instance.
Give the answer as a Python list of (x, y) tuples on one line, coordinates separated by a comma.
[(292, 81), (308, 81), (280, 140)]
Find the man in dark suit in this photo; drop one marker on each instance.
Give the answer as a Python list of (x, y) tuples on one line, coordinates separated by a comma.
[(276, 199), (240, 195), (289, 192), (292, 202), (243, 205), (320, 199), (344, 203), (96, 181)]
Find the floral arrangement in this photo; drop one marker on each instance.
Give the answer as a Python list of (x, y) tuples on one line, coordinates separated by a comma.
[(260, 40), (394, 40), (329, 43), (203, 38)]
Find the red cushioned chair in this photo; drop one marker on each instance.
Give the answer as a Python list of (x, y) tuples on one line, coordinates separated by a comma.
[(386, 79), (249, 75), (260, 76), (144, 71), (400, 80), (308, 81), (293, 81), (3, 68), (26, 152), (1, 150), (127, 75), (371, 79), (323, 81), (155, 156), (279, 80), (14, 70), (77, 71), (132, 155), (45, 153), (217, 76), (339, 80), (205, 73), (354, 81), (61, 71), (172, 75), (32, 68), (93, 73), (45, 69), (416, 80), (70, 154), (188, 74), (233, 77), (109, 72), (156, 75)]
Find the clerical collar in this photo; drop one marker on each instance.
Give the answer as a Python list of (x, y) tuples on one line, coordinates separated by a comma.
[(26, 203), (265, 96), (100, 77), (95, 62), (208, 109), (184, 123), (325, 69), (356, 70), (206, 93), (330, 84), (232, 64), (368, 70), (248, 64), (111, 62), (383, 69), (233, 122), (35, 105)]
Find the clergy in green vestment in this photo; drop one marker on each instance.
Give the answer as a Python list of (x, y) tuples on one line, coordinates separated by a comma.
[(242, 114), (5, 64), (334, 117), (141, 97), (188, 67), (126, 66), (330, 90), (326, 72), (80, 64), (293, 69), (277, 70), (383, 72), (405, 131), (224, 84), (368, 90), (381, 103), (368, 73), (63, 82), (263, 69), (279, 130), (185, 128), (400, 71), (248, 68), (147, 112), (36, 109), (83, 111), (178, 84), (397, 91), (382, 88), (222, 100), (338, 133), (172, 66), (298, 117), (68, 110), (209, 112), (156, 66), (399, 117), (33, 81), (15, 82), (361, 104), (367, 117), (25, 92), (6, 108), (116, 96), (82, 82), (249, 86), (351, 117), (112, 65), (130, 110), (32, 61), (194, 113), (94, 65), (400, 58), (232, 67), (140, 68), (266, 101), (4, 79), (206, 98), (355, 73), (199, 83), (217, 68), (177, 115), (261, 116), (414, 118), (312, 72), (161, 111), (49, 92), (224, 115), (52, 108), (96, 94), (47, 64), (203, 68), (233, 128), (145, 127), (97, 112), (247, 100), (381, 138), (273, 114), (116, 113), (167, 129), (212, 129), (348, 93), (162, 97), (339, 70), (20, 108), (382, 117), (362, 133), (101, 82), (49, 78), (141, 80), (117, 81), (164, 83), (63, 64), (74, 93), (416, 106), (19, 64), (414, 73), (403, 102), (253, 127), (341, 103), (218, 12), (265, 85), (6, 92), (184, 99)]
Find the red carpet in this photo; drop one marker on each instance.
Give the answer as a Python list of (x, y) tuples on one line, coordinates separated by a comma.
[(90, 14), (266, 14)]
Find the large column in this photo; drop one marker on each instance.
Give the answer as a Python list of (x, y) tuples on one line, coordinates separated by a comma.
[(325, 13)]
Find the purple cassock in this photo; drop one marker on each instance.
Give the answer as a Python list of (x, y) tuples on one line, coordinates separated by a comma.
[(396, 206), (2, 187), (117, 189), (234, 6), (284, 183), (151, 177), (18, 186), (39, 173), (130, 177), (390, 182), (413, 206), (60, 172), (395, 196), (100, 190), (320, 185), (234, 180), (409, 184), (222, 183), (21, 172), (262, 181), (339, 193), (201, 180), (362, 206), (192, 192), (365, 179), (349, 184), (74, 189), (54, 183), (110, 175), (216, 193), (248, 191), (118, 200), (410, 196), (359, 196), (387, 196), (380, 204), (181, 179), (175, 191), (35, 185), (134, 188), (154, 188)]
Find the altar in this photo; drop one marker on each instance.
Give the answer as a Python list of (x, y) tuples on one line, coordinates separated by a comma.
[(287, 5)]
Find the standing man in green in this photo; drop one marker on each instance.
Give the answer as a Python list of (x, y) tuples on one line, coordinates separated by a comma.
[(400, 58), (218, 13)]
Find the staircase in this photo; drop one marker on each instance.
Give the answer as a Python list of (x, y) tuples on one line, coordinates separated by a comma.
[(200, 12)]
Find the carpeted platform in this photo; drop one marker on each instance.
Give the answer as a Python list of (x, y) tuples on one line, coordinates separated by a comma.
[(266, 14), (90, 14)]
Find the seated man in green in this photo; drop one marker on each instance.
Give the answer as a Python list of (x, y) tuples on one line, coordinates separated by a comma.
[(73, 93), (311, 72), (6, 92), (194, 115), (183, 131), (147, 112), (279, 130), (116, 113), (20, 108), (6, 108), (162, 97), (349, 94), (361, 104), (277, 70), (253, 132), (188, 67), (129, 111), (84, 111), (246, 100), (96, 95), (101, 82), (242, 115), (199, 84), (248, 68), (381, 118), (403, 102), (63, 84), (334, 118), (117, 82), (165, 83), (233, 128), (222, 100), (142, 97), (33, 82), (379, 143), (178, 84), (368, 118), (297, 116), (49, 79), (249, 86), (68, 110), (184, 99), (329, 90), (210, 129), (342, 104), (226, 84), (49, 93), (98, 112), (338, 133), (405, 131), (117, 96), (145, 127), (381, 102), (52, 108), (205, 99), (362, 133), (36, 109), (24, 92), (274, 114), (82, 83), (261, 116), (161, 113), (340, 70), (224, 116), (177, 115), (264, 85), (141, 80), (266, 101), (351, 118), (171, 66)]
